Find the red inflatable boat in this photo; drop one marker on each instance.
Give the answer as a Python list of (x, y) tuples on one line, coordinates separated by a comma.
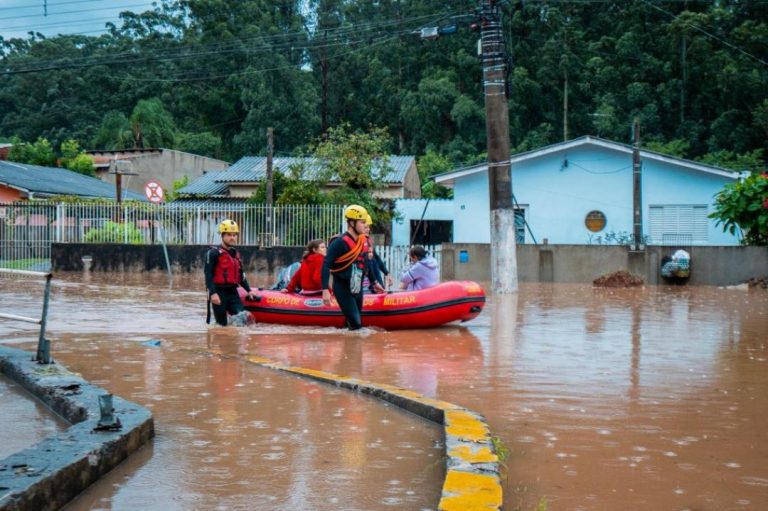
[(444, 303)]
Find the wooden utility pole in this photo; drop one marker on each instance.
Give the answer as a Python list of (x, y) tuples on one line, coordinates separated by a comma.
[(637, 189), (270, 149), (494, 61)]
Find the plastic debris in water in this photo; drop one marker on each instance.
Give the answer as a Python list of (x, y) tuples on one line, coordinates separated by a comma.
[(152, 342)]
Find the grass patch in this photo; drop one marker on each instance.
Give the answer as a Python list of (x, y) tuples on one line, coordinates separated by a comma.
[(23, 264)]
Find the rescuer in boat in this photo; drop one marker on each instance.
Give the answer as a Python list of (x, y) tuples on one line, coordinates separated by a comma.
[(346, 260), (223, 274)]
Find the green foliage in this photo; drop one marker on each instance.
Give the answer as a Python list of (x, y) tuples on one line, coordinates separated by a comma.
[(25, 264), (152, 125), (744, 205), (115, 233), (205, 143), (677, 147), (731, 160), (114, 132), (178, 184), (232, 68), (40, 153), (501, 450), (82, 163), (74, 159), (429, 165), (356, 158)]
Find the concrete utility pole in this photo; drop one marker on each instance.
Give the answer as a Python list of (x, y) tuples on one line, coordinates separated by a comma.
[(494, 60), (637, 189)]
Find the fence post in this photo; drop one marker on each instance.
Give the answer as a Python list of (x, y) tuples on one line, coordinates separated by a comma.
[(43, 344)]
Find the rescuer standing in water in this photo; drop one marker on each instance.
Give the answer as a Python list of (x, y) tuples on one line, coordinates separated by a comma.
[(223, 274), (346, 261)]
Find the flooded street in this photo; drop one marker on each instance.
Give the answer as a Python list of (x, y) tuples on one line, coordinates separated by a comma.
[(651, 398)]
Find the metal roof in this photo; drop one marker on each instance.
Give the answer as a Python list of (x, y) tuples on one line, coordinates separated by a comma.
[(251, 169), (206, 185), (447, 178), (52, 181)]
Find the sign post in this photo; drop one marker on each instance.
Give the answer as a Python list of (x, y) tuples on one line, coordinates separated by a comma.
[(154, 192)]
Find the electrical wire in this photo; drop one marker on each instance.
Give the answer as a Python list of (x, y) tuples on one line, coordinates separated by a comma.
[(78, 11), (585, 169), (712, 36), (50, 4), (269, 45)]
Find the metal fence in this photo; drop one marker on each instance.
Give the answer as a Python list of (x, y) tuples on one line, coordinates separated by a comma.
[(396, 258), (27, 230)]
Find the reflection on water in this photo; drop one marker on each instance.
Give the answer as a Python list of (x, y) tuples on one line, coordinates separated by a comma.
[(19, 407), (649, 398)]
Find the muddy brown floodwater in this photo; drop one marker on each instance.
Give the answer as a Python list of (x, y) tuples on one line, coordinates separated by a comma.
[(637, 399)]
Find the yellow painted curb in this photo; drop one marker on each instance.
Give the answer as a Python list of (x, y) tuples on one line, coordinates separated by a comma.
[(472, 481), (463, 491)]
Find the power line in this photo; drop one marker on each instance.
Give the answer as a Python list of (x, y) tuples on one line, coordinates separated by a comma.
[(27, 28), (78, 11), (36, 6), (696, 27), (235, 46)]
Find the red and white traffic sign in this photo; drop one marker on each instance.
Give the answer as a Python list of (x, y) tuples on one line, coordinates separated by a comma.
[(154, 192)]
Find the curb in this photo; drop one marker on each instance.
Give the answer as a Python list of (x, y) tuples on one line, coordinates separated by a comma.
[(52, 472), (472, 481)]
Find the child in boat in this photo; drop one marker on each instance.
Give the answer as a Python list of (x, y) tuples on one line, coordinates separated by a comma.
[(423, 272), (307, 278)]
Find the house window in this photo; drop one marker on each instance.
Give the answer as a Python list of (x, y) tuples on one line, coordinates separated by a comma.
[(519, 225), (595, 221), (431, 232), (678, 224)]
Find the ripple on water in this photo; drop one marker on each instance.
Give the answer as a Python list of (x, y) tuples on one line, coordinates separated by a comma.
[(755, 481)]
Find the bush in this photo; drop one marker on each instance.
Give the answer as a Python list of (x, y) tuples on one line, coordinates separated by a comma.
[(115, 233), (744, 204)]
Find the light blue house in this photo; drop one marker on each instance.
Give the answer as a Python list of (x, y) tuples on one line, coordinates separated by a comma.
[(422, 222), (580, 192)]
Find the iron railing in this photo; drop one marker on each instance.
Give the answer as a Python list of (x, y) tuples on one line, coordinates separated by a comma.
[(43, 355), (28, 229)]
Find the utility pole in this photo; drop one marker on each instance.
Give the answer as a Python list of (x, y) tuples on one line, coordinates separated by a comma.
[(270, 149), (494, 60), (119, 173), (637, 191)]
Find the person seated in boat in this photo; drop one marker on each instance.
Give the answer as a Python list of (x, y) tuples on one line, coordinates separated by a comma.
[(285, 275), (423, 272), (373, 281), (307, 278), (345, 259), (223, 275)]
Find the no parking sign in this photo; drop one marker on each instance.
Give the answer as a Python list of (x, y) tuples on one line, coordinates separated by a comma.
[(154, 192)]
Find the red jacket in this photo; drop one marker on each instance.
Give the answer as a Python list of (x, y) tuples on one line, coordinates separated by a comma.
[(308, 274)]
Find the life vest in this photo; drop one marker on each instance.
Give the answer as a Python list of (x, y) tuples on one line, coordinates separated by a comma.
[(355, 254), (228, 269)]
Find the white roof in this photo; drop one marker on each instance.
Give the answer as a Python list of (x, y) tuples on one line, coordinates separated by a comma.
[(448, 178)]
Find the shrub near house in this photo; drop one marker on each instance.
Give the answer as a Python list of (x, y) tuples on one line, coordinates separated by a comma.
[(744, 204)]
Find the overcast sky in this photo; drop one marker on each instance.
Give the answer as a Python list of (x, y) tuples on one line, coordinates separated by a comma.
[(17, 17)]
